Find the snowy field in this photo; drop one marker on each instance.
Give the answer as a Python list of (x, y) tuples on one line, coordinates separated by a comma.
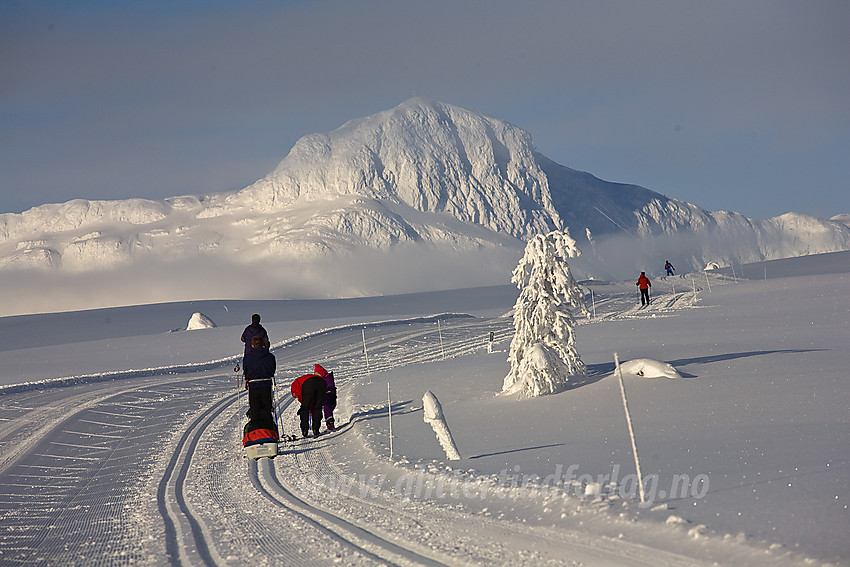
[(119, 433)]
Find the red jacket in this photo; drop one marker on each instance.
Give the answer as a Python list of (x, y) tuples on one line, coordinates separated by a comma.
[(643, 282), (296, 385)]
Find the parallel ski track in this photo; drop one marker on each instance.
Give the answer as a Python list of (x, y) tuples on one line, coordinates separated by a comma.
[(66, 492), (101, 427), (178, 552), (390, 351), (349, 533), (187, 538), (51, 407)]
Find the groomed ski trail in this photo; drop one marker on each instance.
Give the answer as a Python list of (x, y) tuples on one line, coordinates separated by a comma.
[(363, 524)]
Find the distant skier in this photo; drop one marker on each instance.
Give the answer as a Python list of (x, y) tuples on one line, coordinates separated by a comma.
[(644, 284), (251, 331), (329, 404), (669, 267), (259, 370), (310, 389)]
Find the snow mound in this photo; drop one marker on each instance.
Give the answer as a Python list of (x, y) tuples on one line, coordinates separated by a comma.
[(649, 368), (199, 321)]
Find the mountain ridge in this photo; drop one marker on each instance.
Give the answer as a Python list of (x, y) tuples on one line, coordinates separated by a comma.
[(422, 178)]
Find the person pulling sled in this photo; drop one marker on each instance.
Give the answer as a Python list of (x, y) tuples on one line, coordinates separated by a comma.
[(261, 432)]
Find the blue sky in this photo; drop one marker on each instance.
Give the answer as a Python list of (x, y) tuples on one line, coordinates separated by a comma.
[(739, 105)]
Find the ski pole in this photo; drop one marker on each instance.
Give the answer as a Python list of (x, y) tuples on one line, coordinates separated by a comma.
[(274, 407)]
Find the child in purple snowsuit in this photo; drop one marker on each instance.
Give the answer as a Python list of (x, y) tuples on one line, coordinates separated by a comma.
[(329, 404)]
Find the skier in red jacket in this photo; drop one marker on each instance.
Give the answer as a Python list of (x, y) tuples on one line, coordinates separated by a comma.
[(644, 284), (310, 389)]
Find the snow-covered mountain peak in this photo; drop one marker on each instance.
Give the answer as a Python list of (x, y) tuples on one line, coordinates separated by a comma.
[(431, 156)]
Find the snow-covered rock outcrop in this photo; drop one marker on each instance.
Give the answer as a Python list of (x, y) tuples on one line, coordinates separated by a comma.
[(199, 321)]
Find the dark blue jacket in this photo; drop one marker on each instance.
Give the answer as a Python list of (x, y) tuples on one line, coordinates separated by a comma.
[(252, 331), (259, 364)]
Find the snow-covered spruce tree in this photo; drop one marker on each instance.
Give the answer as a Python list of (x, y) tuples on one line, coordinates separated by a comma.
[(543, 354)]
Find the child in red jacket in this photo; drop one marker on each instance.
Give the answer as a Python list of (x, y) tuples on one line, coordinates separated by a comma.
[(329, 404)]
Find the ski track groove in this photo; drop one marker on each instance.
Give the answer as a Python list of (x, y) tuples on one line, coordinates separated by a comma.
[(315, 455), (175, 473), (391, 343), (345, 533), (257, 529), (78, 514)]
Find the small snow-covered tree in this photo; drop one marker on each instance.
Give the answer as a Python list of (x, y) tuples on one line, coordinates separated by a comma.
[(543, 352)]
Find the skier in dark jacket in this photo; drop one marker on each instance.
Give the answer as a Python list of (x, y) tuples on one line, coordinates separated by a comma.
[(644, 284), (254, 330), (259, 370), (329, 404), (669, 267), (310, 389)]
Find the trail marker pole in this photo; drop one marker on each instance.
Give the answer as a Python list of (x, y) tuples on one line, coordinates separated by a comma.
[(390, 410), (707, 283), (631, 429), (440, 331), (366, 354), (593, 303)]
